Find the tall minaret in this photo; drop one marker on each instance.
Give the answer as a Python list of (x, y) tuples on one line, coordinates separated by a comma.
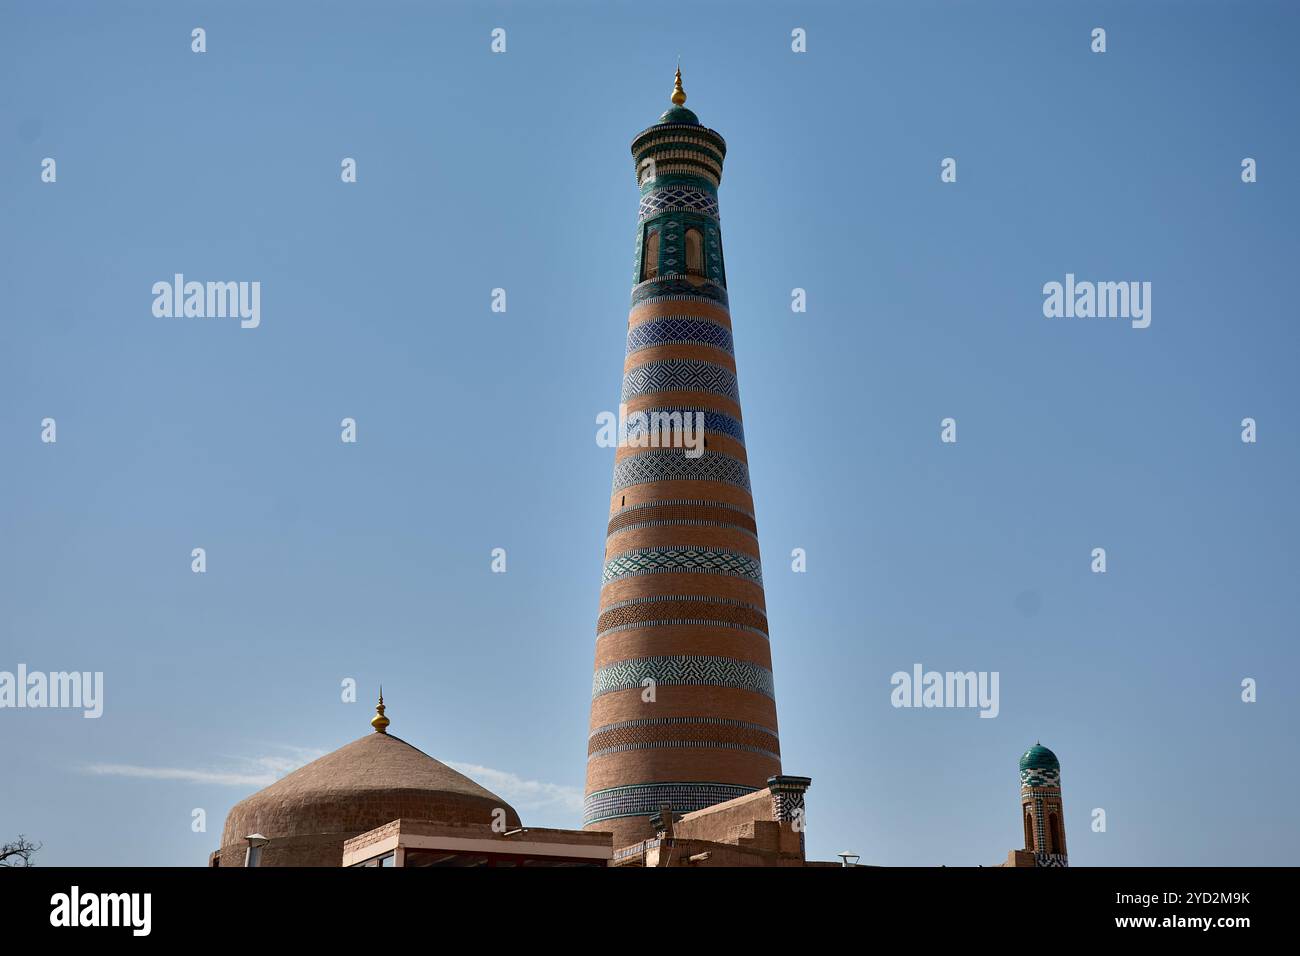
[(683, 711), (1040, 806)]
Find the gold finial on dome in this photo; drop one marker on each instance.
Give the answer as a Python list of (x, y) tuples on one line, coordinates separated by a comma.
[(379, 721), (679, 94)]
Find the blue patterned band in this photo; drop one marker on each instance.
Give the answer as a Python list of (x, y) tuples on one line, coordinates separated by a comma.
[(645, 799), (683, 559), (677, 287), (715, 423), (671, 464), (678, 198), (672, 330), (708, 671), (680, 375)]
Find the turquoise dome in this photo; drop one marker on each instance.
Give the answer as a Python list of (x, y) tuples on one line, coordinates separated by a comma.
[(1039, 757), (680, 114)]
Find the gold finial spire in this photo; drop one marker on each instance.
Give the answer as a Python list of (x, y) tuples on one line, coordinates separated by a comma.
[(379, 721), (679, 94)]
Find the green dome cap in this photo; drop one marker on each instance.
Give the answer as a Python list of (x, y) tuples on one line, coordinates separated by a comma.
[(680, 114), (1039, 757)]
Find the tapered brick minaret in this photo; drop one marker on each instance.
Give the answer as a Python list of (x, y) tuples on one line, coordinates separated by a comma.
[(682, 710)]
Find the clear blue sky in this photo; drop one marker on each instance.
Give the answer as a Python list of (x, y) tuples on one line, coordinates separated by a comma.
[(477, 430)]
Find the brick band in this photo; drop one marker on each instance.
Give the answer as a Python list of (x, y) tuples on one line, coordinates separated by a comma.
[(660, 611), (652, 513), (706, 732)]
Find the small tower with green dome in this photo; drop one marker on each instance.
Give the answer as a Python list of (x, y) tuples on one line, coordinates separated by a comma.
[(1040, 806)]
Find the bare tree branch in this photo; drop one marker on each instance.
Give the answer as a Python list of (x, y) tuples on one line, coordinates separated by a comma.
[(19, 852)]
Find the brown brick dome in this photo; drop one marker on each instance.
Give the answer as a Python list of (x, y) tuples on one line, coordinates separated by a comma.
[(308, 814)]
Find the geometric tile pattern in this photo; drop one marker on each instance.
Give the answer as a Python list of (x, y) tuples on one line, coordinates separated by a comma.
[(714, 423), (657, 732), (713, 252), (679, 512), (788, 804), (670, 330), (680, 375), (685, 609), (644, 799), (678, 199), (1050, 859), (1039, 777), (788, 800), (671, 464), (677, 287), (710, 671), (668, 246), (682, 559), (664, 428)]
